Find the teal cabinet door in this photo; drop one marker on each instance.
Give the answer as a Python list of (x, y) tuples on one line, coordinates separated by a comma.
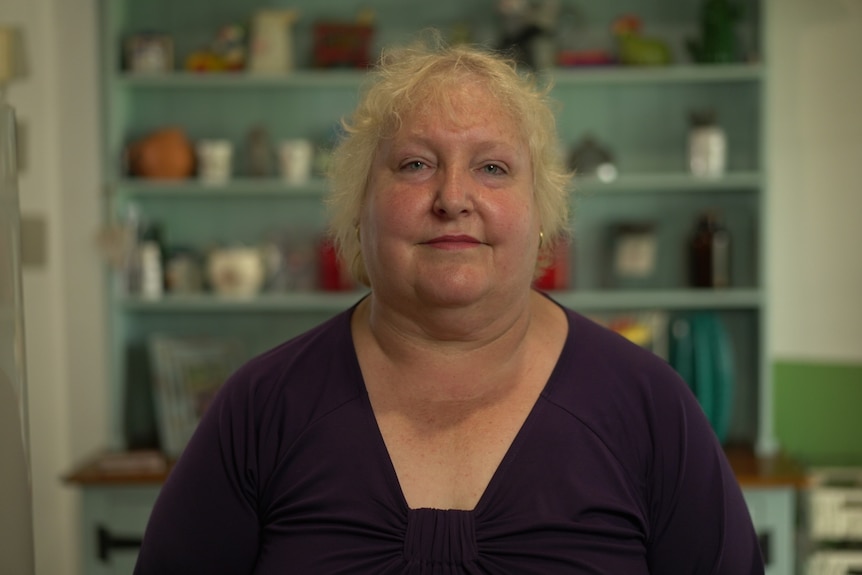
[(114, 519), (773, 511)]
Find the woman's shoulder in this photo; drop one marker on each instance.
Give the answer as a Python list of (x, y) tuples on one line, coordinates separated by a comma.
[(315, 368), (624, 393), (604, 356)]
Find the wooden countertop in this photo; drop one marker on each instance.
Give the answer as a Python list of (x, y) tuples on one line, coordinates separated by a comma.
[(152, 468), (762, 472), (127, 468)]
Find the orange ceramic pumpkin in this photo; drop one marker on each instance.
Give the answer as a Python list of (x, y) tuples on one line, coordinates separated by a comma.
[(165, 154)]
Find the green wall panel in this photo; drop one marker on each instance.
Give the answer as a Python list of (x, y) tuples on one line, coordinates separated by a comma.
[(818, 411)]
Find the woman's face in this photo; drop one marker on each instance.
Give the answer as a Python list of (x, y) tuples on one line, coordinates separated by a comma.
[(449, 216)]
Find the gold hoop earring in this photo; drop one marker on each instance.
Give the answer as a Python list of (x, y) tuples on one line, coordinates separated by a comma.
[(541, 239)]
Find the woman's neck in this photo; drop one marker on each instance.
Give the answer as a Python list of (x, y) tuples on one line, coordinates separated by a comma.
[(447, 355)]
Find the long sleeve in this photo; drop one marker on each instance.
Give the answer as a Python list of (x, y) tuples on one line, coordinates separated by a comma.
[(205, 518), (688, 505), (700, 521)]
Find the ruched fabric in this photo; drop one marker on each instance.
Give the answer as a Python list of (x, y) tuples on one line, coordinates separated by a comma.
[(442, 540)]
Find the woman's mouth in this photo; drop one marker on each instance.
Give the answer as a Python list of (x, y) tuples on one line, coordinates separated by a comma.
[(453, 241)]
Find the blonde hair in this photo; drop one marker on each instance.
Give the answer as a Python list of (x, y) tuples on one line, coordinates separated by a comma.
[(430, 70)]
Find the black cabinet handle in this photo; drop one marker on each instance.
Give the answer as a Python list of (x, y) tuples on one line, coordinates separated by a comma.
[(107, 543), (765, 540)]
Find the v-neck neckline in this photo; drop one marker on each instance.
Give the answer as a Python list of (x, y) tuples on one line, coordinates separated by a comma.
[(392, 474), (510, 454)]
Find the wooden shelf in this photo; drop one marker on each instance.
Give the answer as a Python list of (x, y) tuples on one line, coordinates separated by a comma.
[(294, 302), (237, 188), (296, 79), (754, 472), (674, 74), (583, 301), (311, 78), (241, 188), (122, 469), (670, 182), (670, 299)]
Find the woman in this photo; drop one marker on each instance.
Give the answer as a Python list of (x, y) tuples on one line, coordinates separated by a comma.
[(454, 420)]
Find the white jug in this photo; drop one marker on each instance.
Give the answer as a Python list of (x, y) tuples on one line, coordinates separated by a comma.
[(272, 41), (236, 271)]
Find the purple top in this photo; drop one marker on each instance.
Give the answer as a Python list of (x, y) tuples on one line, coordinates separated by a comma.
[(616, 470)]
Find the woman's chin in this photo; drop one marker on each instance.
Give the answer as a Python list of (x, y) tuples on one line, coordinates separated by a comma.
[(450, 286), (454, 290)]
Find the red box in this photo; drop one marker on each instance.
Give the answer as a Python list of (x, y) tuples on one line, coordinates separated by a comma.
[(342, 45)]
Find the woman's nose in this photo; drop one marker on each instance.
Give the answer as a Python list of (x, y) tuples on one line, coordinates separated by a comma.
[(453, 195)]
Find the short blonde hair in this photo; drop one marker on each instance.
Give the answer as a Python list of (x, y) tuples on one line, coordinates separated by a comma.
[(430, 70)]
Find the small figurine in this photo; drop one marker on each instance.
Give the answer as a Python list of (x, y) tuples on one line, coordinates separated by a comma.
[(590, 159), (226, 53), (260, 153), (529, 30), (635, 49), (230, 46), (575, 47)]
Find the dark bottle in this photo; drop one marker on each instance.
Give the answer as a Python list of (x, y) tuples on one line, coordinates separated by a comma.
[(709, 252)]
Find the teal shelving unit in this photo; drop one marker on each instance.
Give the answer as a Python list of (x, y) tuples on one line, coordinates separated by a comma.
[(641, 114)]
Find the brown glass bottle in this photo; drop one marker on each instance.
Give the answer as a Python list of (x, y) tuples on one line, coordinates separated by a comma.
[(709, 252)]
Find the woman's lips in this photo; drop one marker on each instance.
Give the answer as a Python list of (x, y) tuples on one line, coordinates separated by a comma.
[(453, 242)]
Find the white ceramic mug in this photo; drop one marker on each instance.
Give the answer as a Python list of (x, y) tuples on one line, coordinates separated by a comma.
[(296, 159), (236, 271), (214, 160)]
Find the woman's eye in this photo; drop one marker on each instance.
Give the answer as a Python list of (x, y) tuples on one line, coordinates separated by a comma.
[(414, 165), (493, 169)]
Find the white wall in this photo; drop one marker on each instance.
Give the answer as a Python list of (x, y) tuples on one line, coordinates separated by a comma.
[(815, 159), (815, 274), (64, 328)]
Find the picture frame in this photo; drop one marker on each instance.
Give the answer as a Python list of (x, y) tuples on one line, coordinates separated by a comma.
[(187, 374), (148, 53), (634, 255)]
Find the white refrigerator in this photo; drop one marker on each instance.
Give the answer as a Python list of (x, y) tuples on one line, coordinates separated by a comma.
[(16, 501)]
